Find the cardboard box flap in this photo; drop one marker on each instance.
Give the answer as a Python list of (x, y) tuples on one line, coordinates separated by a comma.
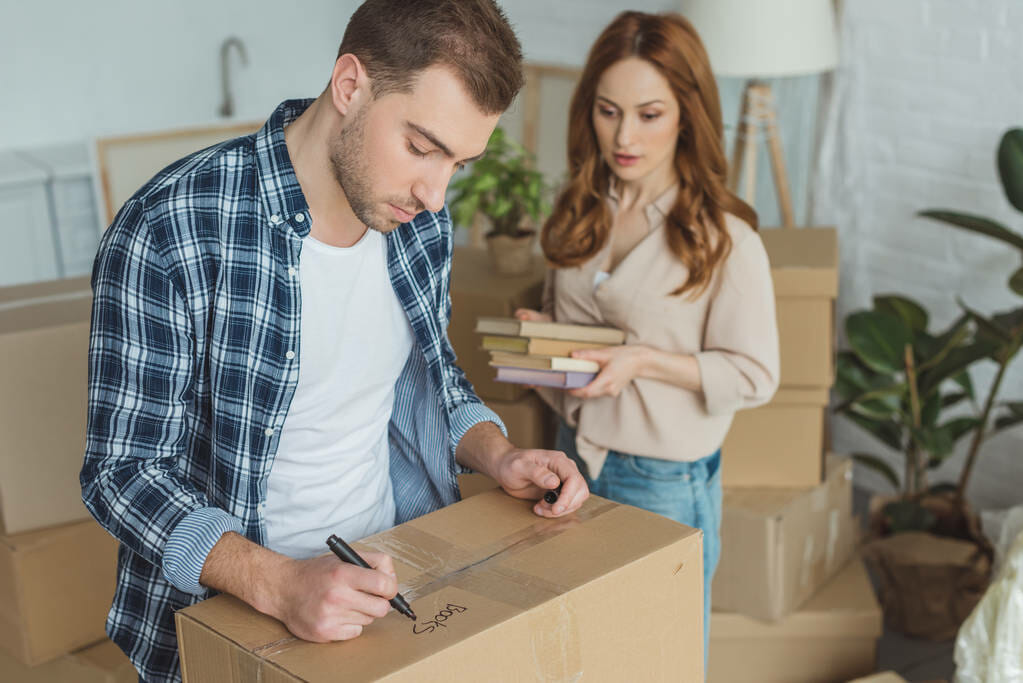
[(43, 290), (44, 344), (452, 568), (804, 261), (800, 396), (844, 608), (66, 310), (44, 304), (764, 502)]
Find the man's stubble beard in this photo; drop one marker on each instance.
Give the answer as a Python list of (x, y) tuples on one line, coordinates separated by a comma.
[(348, 161)]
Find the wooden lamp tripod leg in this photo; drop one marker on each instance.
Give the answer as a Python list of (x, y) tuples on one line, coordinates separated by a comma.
[(744, 151), (758, 111), (781, 178)]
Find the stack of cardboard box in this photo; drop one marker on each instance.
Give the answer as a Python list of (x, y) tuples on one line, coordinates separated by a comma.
[(782, 443), (478, 292), (791, 602), (57, 566)]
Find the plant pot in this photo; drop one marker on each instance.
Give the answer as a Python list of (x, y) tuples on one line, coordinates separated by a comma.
[(511, 255), (928, 584)]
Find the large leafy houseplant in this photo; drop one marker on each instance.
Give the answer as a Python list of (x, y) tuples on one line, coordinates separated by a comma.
[(896, 381), (503, 186), (1002, 331), (898, 378)]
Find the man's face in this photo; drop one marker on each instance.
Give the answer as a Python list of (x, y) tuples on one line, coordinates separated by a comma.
[(397, 153)]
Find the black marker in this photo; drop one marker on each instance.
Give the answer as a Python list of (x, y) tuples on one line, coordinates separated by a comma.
[(551, 496), (346, 554)]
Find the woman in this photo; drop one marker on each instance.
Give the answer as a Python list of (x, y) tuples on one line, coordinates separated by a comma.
[(646, 238)]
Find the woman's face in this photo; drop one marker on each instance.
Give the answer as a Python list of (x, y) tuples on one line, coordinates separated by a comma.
[(636, 118)]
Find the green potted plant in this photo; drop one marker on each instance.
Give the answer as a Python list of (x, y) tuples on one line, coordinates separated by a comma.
[(896, 381), (505, 190)]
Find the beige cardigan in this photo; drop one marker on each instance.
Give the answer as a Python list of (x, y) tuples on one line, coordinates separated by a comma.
[(730, 328)]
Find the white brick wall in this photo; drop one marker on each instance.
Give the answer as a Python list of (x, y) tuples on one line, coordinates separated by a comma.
[(925, 91)]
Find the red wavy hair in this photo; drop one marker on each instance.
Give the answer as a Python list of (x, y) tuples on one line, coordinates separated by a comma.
[(580, 223)]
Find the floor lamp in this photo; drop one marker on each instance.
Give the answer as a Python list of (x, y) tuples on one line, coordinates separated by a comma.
[(759, 40)]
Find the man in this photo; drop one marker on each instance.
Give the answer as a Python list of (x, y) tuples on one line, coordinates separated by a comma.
[(269, 361)]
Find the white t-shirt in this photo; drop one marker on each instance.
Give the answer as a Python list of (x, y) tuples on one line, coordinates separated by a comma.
[(331, 472)]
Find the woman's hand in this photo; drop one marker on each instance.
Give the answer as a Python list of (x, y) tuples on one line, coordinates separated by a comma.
[(530, 314), (619, 365)]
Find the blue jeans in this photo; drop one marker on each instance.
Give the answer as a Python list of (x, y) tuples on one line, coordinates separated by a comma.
[(687, 492)]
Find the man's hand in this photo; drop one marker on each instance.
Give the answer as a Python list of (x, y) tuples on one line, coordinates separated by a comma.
[(524, 473), (320, 599), (529, 473), (324, 599)]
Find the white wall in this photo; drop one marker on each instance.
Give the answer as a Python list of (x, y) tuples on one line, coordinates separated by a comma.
[(84, 69), (74, 70), (926, 90)]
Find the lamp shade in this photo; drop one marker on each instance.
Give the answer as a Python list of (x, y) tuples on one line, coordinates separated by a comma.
[(765, 38)]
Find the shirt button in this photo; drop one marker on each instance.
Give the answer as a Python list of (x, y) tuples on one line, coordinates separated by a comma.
[(289, 355), (269, 431), (275, 219), (292, 271), (300, 217)]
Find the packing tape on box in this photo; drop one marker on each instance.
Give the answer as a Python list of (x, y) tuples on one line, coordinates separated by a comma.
[(447, 563), (444, 564)]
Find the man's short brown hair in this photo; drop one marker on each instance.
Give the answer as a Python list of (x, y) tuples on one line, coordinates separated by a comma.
[(396, 39)]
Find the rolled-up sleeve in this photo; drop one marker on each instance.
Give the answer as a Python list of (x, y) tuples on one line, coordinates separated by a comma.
[(140, 391), (739, 364)]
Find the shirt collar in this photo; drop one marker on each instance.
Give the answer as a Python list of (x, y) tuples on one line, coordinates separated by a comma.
[(657, 210), (283, 201)]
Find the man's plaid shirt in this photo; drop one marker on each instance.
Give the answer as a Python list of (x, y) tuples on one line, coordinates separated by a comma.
[(197, 306)]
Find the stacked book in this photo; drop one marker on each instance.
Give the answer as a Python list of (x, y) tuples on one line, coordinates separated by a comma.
[(539, 353)]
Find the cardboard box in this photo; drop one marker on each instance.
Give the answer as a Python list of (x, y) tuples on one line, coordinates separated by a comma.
[(779, 546), (100, 663), (477, 291), (56, 587), (831, 639), (804, 269), (610, 593), (780, 444), (529, 421), (44, 345)]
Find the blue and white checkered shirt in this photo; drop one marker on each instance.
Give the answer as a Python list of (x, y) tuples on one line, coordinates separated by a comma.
[(197, 306)]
